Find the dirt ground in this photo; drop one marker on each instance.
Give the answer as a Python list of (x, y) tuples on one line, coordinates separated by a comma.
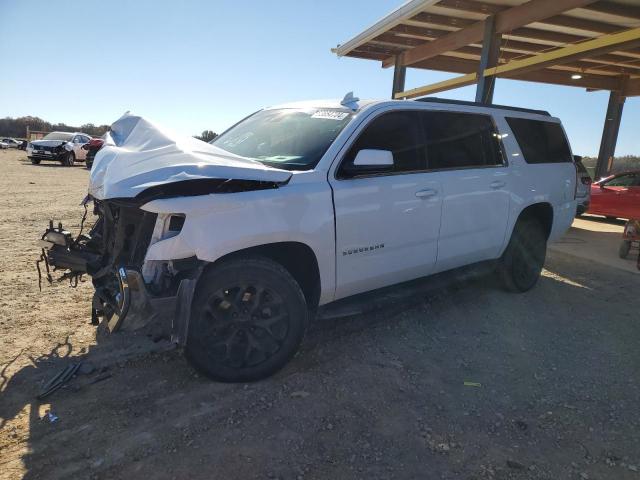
[(465, 382)]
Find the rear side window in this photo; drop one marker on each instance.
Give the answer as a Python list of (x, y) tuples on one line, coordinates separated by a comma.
[(460, 140), (398, 132), (627, 180), (540, 142)]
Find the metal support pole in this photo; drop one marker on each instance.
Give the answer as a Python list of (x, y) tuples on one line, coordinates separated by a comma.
[(610, 134), (399, 73), (488, 58)]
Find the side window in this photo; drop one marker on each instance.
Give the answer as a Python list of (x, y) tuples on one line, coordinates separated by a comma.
[(76, 139), (629, 180), (460, 140), (540, 142), (398, 132), (84, 139)]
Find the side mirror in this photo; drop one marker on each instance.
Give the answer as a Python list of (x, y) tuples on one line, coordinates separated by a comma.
[(577, 158), (370, 159)]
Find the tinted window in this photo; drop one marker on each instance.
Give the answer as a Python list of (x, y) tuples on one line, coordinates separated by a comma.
[(581, 168), (629, 180), (540, 142), (398, 132), (459, 140)]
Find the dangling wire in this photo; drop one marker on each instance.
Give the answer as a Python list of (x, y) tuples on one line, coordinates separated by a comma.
[(84, 217)]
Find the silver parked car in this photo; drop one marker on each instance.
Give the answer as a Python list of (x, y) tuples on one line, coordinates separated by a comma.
[(11, 142)]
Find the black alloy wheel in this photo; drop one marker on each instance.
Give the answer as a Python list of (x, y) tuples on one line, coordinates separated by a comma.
[(248, 319)]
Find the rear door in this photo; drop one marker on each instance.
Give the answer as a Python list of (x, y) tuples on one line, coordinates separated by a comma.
[(387, 221), (464, 149)]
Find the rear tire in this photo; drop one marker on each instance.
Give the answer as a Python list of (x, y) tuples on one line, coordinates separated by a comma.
[(35, 161), (523, 259), (248, 319)]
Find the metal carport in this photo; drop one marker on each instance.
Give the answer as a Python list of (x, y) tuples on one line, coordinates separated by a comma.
[(593, 44)]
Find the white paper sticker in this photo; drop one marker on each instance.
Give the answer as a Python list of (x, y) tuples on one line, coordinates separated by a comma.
[(330, 115)]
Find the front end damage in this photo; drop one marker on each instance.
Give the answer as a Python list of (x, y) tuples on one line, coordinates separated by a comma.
[(141, 162), (129, 293)]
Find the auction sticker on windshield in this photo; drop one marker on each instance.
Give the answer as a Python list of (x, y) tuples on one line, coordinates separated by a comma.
[(330, 115)]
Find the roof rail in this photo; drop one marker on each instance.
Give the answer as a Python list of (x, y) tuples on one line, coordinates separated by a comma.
[(478, 104)]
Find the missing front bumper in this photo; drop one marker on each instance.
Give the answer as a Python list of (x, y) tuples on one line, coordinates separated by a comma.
[(112, 254), (135, 308)]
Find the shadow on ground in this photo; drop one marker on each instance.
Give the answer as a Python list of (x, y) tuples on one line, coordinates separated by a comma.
[(464, 381)]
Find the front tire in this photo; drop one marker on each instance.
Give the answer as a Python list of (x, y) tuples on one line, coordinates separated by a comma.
[(522, 261), (69, 159), (35, 161), (248, 319)]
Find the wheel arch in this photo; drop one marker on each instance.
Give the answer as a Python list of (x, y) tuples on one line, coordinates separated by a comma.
[(297, 258), (542, 212)]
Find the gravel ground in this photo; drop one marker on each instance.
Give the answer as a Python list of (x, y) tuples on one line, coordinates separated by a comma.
[(465, 382)]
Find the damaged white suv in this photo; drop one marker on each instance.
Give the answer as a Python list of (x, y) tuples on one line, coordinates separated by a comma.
[(234, 245)]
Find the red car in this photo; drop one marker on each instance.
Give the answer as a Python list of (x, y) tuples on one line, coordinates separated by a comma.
[(617, 196)]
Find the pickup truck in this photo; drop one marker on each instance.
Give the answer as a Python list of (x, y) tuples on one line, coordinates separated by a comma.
[(233, 245)]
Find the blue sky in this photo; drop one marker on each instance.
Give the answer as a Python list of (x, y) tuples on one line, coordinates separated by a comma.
[(195, 65)]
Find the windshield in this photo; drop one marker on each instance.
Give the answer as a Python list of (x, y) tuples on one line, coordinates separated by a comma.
[(289, 138), (58, 136)]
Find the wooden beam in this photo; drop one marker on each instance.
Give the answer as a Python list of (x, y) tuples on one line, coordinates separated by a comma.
[(597, 46), (632, 88), (555, 77), (602, 6), (519, 68), (457, 82), (557, 20), (414, 33), (610, 134), (506, 21), (490, 54)]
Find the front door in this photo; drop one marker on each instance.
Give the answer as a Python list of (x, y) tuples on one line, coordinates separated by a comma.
[(78, 142), (387, 220)]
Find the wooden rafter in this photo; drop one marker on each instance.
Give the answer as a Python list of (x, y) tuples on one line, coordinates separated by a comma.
[(527, 67), (511, 49), (505, 21)]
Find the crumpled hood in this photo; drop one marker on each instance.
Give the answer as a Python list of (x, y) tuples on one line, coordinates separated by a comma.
[(138, 154)]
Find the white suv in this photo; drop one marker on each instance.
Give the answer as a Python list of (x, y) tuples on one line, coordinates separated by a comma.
[(236, 244)]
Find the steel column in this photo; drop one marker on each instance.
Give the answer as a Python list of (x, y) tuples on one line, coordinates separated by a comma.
[(399, 73), (488, 58), (610, 134)]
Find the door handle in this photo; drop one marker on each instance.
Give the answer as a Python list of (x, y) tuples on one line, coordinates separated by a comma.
[(427, 192), (497, 184)]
